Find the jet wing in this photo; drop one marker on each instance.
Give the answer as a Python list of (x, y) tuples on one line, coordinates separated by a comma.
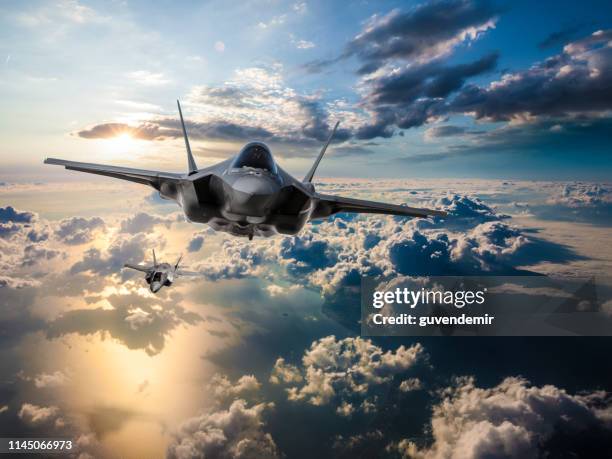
[(152, 178), (180, 272), (328, 205), (144, 269)]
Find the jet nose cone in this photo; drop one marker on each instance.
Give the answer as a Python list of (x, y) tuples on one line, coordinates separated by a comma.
[(252, 195), (156, 286), (254, 185)]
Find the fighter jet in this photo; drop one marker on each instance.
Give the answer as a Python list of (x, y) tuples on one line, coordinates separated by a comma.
[(160, 274), (247, 195)]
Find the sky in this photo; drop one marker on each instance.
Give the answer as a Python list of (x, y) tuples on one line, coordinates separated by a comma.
[(439, 89), (497, 113)]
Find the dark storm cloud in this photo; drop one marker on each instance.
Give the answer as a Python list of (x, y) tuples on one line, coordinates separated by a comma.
[(426, 32), (577, 81), (145, 131), (574, 87), (431, 80)]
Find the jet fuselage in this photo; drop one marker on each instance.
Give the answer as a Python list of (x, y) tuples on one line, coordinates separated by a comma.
[(162, 275), (244, 196)]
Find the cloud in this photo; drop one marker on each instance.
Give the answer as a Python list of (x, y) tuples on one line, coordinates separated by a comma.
[(138, 318), (219, 46), (122, 249), (146, 78), (410, 384), (567, 89), (285, 373), (561, 36), (195, 244), (143, 222), (233, 433), (538, 136), (55, 379), (78, 230), (300, 7), (437, 132), (36, 415), (304, 44), (431, 80), (144, 131), (575, 82), (425, 33), (579, 195), (273, 22), (512, 420), (343, 372), (224, 390), (10, 214), (134, 320)]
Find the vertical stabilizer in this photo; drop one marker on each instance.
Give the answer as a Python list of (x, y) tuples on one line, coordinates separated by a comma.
[(154, 259), (190, 161), (312, 170)]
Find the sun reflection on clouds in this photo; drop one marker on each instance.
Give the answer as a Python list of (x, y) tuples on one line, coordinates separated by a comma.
[(139, 364)]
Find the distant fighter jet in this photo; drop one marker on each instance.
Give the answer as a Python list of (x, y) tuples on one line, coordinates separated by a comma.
[(160, 274), (247, 195)]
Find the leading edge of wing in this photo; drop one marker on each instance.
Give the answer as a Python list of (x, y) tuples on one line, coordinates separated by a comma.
[(126, 173), (342, 204)]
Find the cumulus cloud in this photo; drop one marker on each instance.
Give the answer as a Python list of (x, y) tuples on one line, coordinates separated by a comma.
[(78, 230), (343, 372), (237, 432), (143, 222), (122, 249), (55, 379), (410, 384), (578, 195), (36, 415), (513, 420), (285, 373), (224, 390)]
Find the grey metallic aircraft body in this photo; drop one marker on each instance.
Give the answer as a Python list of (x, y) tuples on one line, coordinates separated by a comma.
[(248, 195), (160, 275)]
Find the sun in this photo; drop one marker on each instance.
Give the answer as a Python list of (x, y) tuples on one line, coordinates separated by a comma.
[(120, 144)]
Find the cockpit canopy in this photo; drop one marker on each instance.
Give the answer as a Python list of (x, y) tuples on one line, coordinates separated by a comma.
[(255, 155)]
